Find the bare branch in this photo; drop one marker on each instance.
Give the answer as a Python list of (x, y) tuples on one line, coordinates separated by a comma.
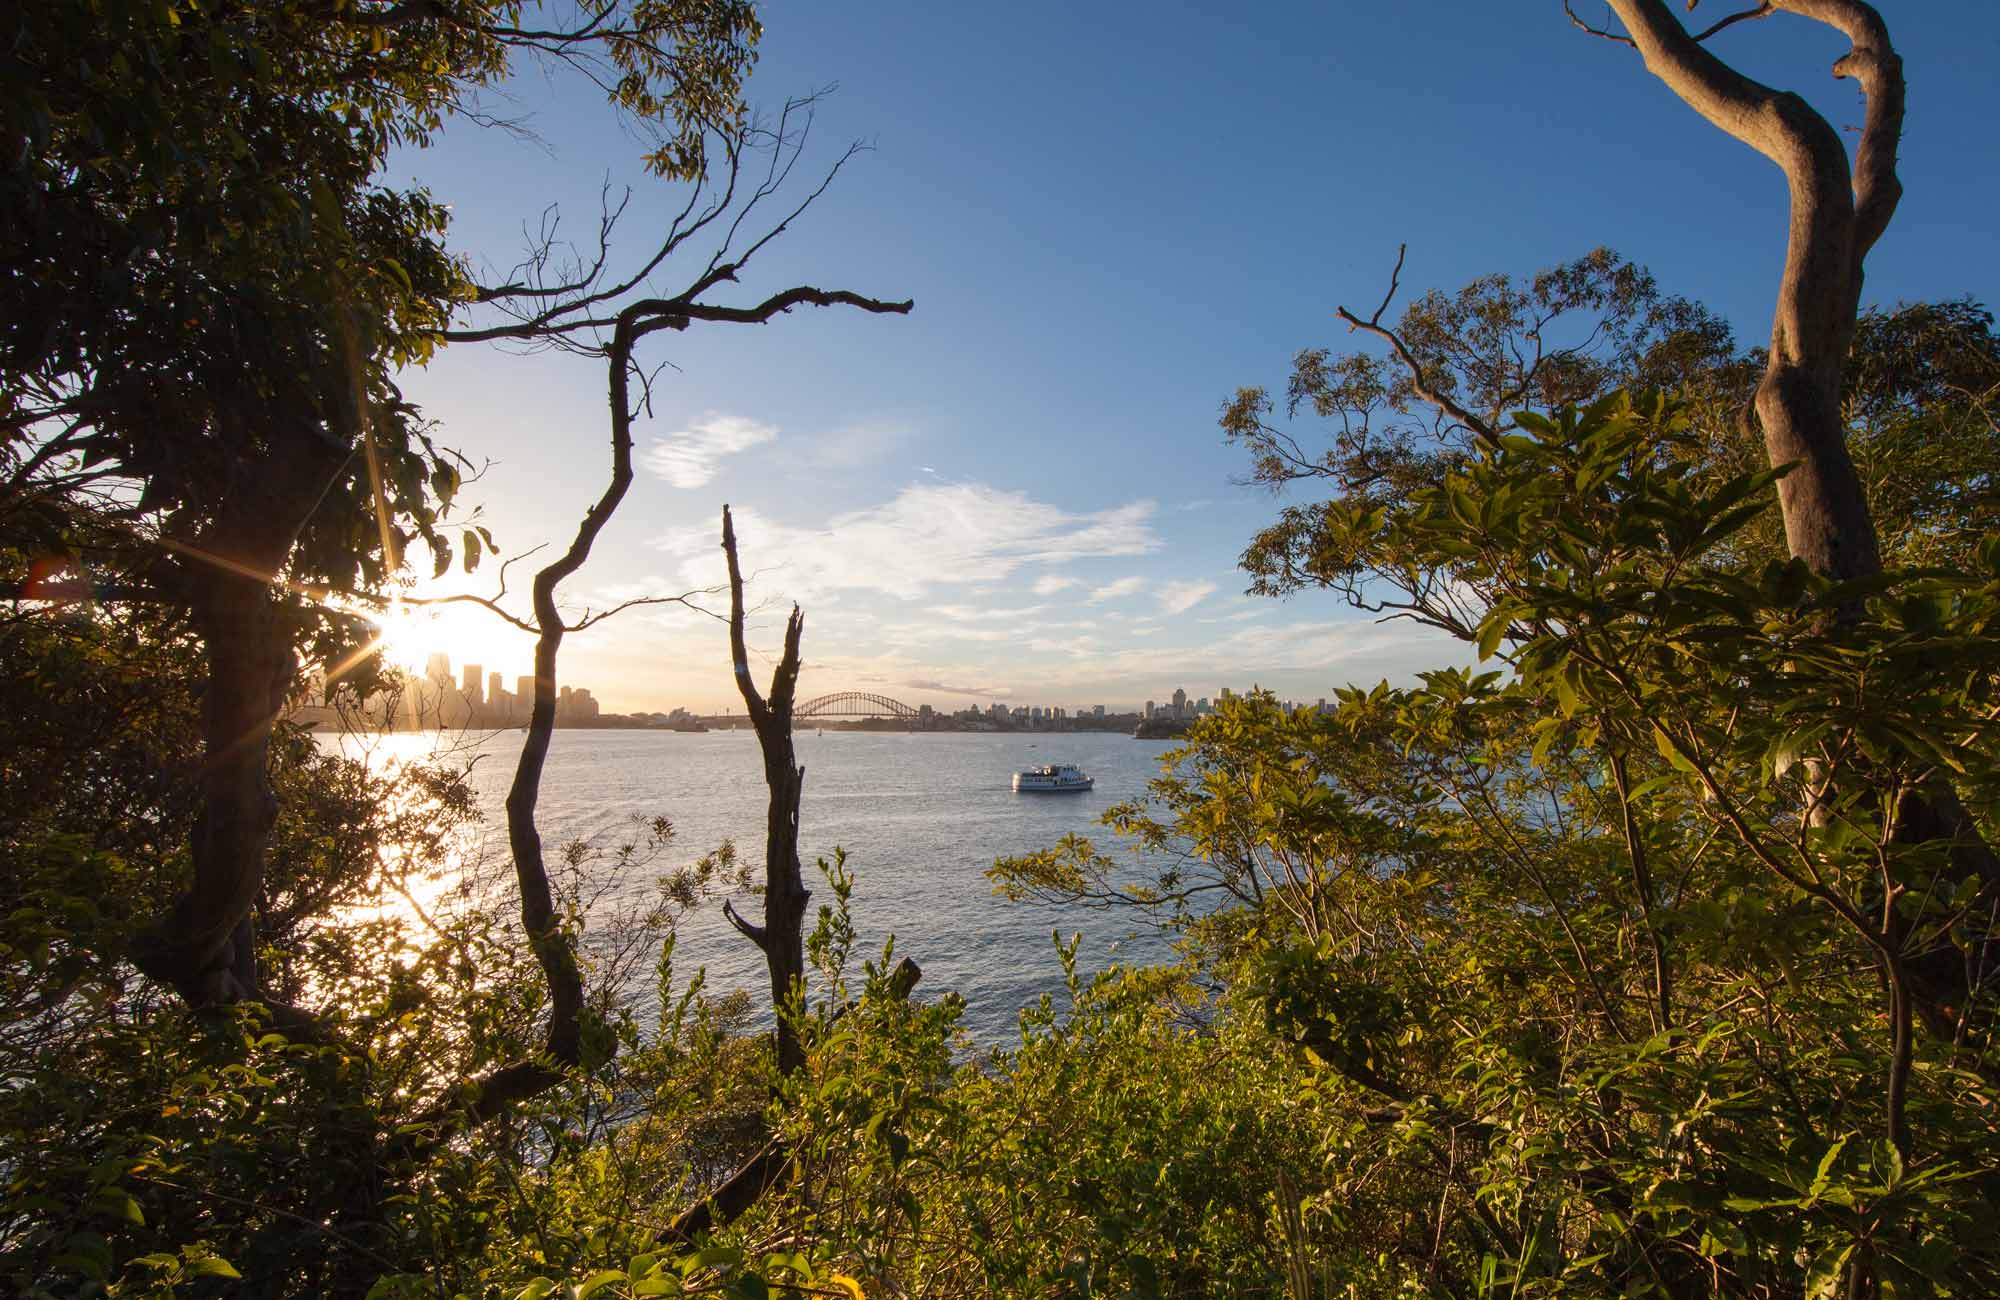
[(1763, 10), (684, 599), (1419, 383), (1395, 279), (749, 930), (488, 603), (1596, 31), (739, 653)]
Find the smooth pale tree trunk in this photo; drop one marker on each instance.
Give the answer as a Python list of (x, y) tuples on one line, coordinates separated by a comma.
[(1838, 209), (1837, 212)]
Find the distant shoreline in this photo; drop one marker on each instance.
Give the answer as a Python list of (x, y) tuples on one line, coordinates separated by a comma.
[(1145, 731)]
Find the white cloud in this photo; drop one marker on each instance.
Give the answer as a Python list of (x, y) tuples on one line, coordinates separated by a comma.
[(919, 633), (1051, 583), (977, 614), (1113, 590), (689, 458), (955, 536), (850, 446), (1180, 597), (984, 692)]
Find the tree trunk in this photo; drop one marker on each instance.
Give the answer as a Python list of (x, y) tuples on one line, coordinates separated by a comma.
[(551, 946), (1838, 211), (1837, 214), (205, 947), (546, 938), (782, 936), (563, 1041)]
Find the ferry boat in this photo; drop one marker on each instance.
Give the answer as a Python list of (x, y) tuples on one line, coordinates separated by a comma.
[(1051, 778)]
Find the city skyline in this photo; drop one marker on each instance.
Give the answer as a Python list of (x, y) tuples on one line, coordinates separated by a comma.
[(470, 694)]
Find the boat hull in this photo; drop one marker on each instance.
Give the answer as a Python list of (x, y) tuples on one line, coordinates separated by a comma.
[(1052, 787)]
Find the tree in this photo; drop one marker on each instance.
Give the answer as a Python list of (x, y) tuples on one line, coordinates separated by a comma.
[(781, 938), (207, 302), (569, 312), (1461, 365), (1838, 211), (1923, 425)]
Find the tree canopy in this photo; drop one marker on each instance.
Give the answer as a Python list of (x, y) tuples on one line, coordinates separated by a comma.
[(1654, 955)]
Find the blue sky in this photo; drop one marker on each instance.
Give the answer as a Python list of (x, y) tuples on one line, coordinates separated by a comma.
[(1110, 218)]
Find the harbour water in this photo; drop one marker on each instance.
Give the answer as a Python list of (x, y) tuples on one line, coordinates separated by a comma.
[(921, 816)]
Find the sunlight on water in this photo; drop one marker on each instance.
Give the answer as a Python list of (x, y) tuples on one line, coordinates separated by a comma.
[(921, 816), (423, 887)]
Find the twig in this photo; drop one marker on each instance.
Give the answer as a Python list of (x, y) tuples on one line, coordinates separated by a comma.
[(1419, 385), (1599, 32)]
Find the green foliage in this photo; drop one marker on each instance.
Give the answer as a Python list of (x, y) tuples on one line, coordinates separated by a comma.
[(1610, 968), (1567, 335), (1626, 961), (209, 292), (1665, 867)]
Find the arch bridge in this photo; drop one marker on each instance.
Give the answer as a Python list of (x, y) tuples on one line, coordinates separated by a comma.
[(853, 704)]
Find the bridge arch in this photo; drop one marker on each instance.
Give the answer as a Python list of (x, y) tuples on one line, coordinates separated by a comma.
[(853, 704)]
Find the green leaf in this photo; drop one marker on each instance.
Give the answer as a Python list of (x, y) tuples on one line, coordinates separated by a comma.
[(597, 1281), (664, 1284), (713, 1257), (1665, 744), (748, 1286), (1723, 1238), (1824, 1174), (212, 1266), (1888, 1163), (1823, 1275), (119, 1204)]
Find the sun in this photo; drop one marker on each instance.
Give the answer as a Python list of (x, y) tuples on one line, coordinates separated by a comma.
[(406, 637), (409, 633)]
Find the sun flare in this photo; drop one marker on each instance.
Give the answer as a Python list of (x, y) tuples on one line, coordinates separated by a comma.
[(406, 637)]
